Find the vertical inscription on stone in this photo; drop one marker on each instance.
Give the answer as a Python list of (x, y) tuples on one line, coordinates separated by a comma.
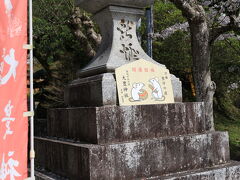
[(127, 49), (124, 28), (129, 52)]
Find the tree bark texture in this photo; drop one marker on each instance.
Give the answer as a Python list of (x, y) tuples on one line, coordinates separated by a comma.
[(83, 29), (201, 49), (205, 87)]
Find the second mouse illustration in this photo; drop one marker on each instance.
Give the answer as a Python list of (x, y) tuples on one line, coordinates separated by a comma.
[(157, 92)]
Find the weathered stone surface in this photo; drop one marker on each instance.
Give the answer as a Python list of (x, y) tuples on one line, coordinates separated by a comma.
[(111, 124), (97, 90), (131, 160), (40, 127), (120, 44), (177, 88), (94, 6), (229, 171), (119, 41)]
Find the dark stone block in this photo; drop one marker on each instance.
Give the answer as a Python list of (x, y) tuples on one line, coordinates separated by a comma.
[(94, 91), (152, 157), (40, 127), (110, 124), (62, 158)]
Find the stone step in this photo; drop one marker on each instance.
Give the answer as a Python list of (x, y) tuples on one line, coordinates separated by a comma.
[(45, 175), (228, 171), (124, 161), (110, 124)]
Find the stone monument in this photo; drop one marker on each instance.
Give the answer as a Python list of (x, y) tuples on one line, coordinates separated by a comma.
[(96, 139)]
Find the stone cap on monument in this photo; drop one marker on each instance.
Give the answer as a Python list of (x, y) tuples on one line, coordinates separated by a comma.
[(93, 6)]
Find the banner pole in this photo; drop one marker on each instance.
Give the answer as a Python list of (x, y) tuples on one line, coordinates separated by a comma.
[(149, 14), (32, 152)]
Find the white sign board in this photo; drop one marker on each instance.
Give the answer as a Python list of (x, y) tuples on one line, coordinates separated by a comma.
[(142, 82)]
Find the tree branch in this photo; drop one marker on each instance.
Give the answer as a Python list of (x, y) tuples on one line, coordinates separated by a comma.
[(89, 40), (190, 9), (171, 30), (91, 33), (233, 25)]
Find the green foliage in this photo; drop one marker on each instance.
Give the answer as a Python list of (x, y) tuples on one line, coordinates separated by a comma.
[(225, 72), (174, 51), (52, 36), (57, 53), (223, 124), (165, 15)]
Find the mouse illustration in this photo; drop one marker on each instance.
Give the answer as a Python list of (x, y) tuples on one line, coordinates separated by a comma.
[(157, 92), (138, 93)]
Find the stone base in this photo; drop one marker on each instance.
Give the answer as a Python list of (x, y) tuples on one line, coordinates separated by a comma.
[(111, 124), (42, 174), (101, 90), (229, 171), (124, 161)]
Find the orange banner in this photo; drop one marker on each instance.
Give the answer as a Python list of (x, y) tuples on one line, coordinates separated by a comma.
[(13, 90)]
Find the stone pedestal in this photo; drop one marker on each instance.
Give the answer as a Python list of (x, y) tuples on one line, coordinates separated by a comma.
[(96, 139), (131, 160), (113, 124), (100, 90), (167, 141)]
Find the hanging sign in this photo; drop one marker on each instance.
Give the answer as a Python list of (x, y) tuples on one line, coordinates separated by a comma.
[(142, 82), (13, 90)]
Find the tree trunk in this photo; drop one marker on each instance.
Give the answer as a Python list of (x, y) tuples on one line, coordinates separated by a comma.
[(205, 87), (202, 40)]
